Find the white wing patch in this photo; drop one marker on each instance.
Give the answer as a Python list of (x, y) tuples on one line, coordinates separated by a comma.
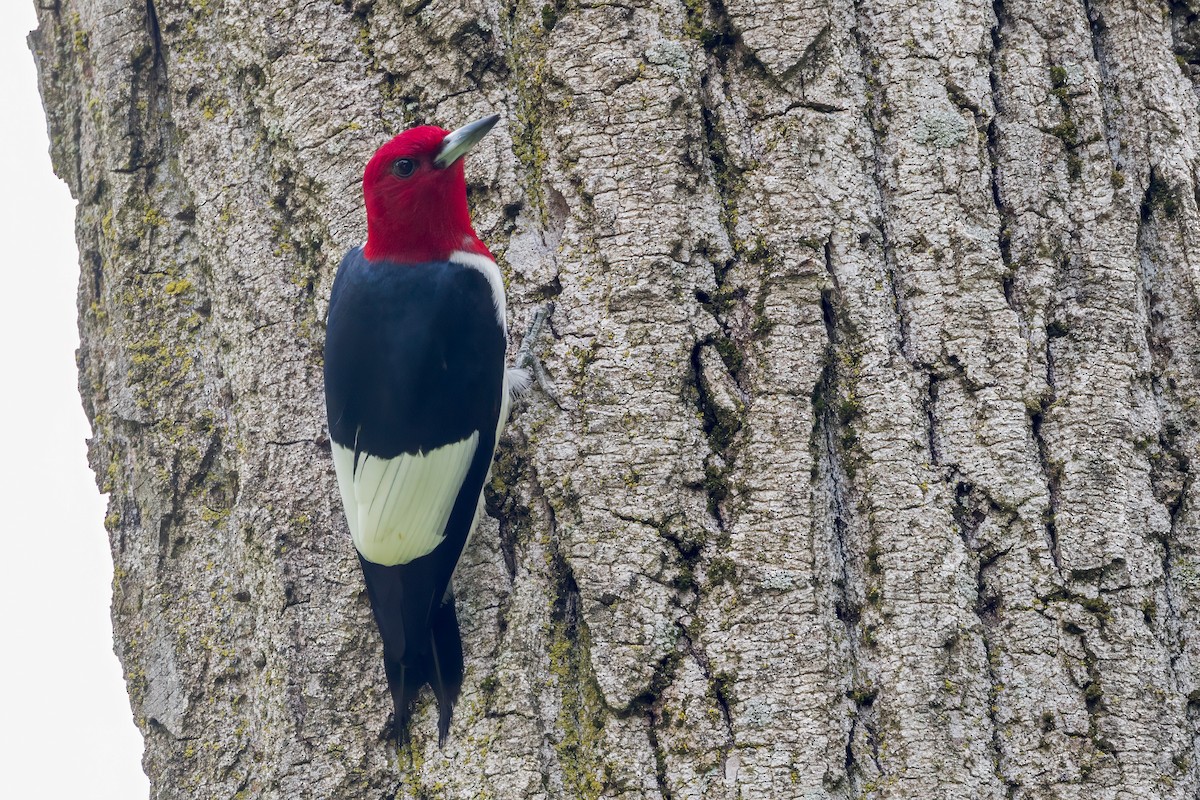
[(398, 507)]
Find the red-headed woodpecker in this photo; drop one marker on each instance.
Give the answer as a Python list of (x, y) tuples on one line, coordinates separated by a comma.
[(417, 392)]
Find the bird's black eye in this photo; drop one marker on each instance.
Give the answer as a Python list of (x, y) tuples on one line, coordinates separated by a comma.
[(403, 167)]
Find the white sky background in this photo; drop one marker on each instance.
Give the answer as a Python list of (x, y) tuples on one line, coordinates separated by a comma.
[(66, 730)]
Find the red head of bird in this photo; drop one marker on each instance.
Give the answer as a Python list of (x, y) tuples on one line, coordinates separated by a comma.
[(416, 195)]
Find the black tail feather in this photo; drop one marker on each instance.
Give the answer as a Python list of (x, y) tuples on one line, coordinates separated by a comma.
[(404, 681), (440, 665), (420, 644), (446, 662)]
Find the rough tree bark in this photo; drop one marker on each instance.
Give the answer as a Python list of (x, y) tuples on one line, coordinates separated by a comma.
[(877, 373)]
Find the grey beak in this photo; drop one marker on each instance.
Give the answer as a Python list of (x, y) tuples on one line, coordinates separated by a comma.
[(457, 143)]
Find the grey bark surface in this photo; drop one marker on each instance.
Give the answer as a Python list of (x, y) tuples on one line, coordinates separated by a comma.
[(877, 379)]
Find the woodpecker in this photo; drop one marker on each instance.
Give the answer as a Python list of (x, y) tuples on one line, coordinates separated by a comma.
[(417, 393)]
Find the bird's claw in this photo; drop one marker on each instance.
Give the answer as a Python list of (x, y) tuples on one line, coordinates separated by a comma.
[(527, 361)]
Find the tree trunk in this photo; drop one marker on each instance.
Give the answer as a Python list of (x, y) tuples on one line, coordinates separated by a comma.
[(876, 380)]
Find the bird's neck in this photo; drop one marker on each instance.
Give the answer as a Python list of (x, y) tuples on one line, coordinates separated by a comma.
[(421, 229)]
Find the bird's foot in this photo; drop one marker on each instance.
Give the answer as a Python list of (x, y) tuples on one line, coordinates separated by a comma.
[(527, 363)]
